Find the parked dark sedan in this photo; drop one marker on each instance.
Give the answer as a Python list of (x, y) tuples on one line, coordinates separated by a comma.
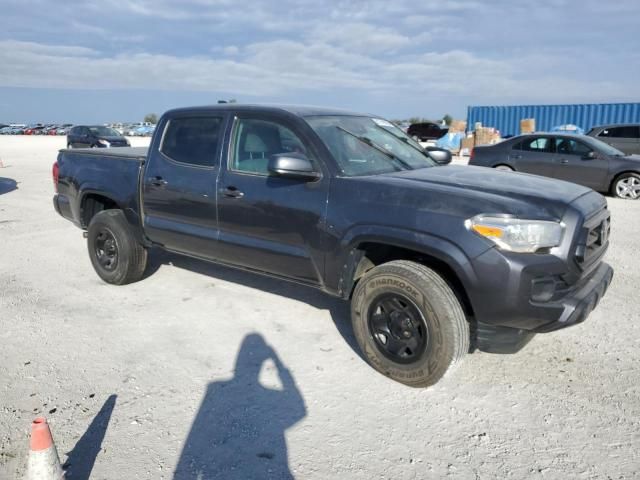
[(426, 131), (625, 138), (574, 158), (96, 136)]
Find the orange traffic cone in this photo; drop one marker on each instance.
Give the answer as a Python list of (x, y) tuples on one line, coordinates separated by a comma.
[(44, 463)]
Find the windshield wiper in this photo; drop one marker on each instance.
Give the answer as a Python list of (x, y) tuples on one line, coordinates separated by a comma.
[(375, 146), (406, 140)]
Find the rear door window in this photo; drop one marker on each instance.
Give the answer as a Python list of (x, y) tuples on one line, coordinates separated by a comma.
[(537, 144), (192, 141)]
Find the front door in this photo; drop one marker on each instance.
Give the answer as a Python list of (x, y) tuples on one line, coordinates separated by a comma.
[(179, 184), (267, 222), (574, 164), (84, 137), (534, 155)]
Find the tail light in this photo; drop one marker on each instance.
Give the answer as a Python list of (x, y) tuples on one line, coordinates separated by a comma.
[(56, 173), (471, 154)]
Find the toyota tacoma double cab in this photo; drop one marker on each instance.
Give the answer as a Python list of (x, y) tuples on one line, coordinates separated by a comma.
[(436, 260)]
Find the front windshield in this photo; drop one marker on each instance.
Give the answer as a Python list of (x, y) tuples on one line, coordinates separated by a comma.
[(603, 147), (347, 136), (104, 132)]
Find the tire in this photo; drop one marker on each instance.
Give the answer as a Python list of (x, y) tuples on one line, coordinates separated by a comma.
[(115, 254), (438, 330), (626, 186), (504, 168)]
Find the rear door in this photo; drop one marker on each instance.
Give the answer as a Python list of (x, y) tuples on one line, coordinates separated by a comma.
[(625, 138), (534, 154), (574, 163), (270, 223), (179, 183)]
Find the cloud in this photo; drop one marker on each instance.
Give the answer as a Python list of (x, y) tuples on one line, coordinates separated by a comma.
[(359, 37), (403, 52)]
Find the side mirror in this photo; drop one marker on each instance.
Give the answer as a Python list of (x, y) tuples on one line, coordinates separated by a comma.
[(589, 156), (441, 156), (292, 165)]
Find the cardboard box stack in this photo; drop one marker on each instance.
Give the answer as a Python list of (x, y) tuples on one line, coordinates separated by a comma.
[(527, 125), (466, 145), (457, 126)]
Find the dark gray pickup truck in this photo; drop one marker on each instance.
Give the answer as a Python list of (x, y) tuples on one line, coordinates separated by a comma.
[(436, 260)]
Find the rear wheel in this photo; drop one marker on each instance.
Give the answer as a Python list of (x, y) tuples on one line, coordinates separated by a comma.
[(504, 168), (626, 186), (115, 254), (409, 323)]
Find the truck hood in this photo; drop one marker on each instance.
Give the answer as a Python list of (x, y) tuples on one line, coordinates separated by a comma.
[(485, 190)]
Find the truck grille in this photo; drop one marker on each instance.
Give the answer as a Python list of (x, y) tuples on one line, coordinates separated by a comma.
[(594, 239)]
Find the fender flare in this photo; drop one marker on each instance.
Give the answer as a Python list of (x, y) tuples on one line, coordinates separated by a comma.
[(439, 248), (130, 214)]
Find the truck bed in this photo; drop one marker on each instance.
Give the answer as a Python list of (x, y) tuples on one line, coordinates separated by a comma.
[(84, 172), (128, 153)]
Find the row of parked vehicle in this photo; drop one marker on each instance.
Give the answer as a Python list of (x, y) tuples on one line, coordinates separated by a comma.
[(141, 129), (35, 129)]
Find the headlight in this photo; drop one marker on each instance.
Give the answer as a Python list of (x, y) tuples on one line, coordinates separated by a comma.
[(517, 235), (104, 143)]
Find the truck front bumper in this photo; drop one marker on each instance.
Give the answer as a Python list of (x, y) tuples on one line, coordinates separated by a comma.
[(578, 304), (534, 293)]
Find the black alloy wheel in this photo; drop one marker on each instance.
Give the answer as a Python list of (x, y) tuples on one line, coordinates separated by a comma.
[(398, 328), (106, 249)]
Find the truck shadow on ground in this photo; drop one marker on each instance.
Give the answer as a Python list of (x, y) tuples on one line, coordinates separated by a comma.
[(239, 430), (82, 458), (7, 185), (338, 309)]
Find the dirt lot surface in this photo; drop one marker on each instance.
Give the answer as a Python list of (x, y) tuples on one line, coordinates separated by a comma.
[(199, 367)]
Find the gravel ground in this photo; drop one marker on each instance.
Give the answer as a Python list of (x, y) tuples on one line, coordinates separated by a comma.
[(199, 366)]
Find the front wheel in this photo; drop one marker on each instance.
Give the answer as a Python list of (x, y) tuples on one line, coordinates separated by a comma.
[(504, 168), (627, 186), (115, 254), (408, 323)]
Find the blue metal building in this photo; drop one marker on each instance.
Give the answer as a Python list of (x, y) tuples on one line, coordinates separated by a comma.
[(587, 115)]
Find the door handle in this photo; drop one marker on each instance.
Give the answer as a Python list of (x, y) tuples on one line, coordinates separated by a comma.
[(158, 181), (564, 161), (516, 157), (231, 192)]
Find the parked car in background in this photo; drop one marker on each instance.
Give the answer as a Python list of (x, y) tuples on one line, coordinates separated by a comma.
[(17, 129), (625, 138), (574, 158), (95, 136), (33, 130), (64, 129), (425, 131)]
